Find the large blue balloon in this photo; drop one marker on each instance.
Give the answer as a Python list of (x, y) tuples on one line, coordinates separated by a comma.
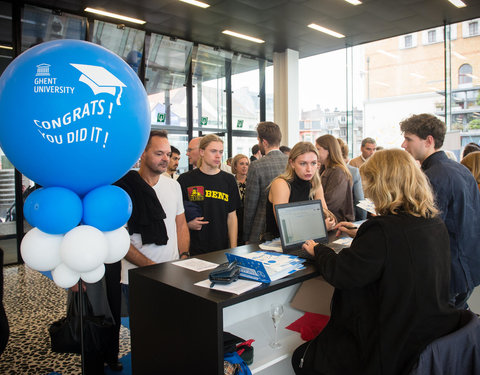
[(107, 208), (53, 210), (74, 115)]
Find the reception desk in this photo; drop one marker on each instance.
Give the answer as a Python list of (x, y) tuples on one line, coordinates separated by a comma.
[(177, 327)]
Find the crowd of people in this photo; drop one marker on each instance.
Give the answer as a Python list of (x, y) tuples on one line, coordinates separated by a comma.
[(425, 230)]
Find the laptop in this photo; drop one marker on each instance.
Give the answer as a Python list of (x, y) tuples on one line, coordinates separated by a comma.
[(302, 221)]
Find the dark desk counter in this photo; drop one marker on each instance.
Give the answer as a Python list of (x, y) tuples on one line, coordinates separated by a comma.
[(176, 326)]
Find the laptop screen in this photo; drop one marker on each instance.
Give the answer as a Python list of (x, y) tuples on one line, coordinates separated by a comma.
[(301, 221)]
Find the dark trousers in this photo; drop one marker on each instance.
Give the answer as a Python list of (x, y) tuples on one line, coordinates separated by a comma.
[(94, 361), (114, 296)]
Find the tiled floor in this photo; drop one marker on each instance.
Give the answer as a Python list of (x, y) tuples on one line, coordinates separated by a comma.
[(32, 302)]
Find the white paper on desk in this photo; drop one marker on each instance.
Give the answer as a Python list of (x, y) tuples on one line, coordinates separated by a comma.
[(195, 264), (237, 287), (346, 241), (367, 205), (273, 245)]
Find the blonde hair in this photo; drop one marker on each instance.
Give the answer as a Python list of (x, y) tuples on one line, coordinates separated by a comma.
[(204, 142), (299, 149), (394, 182), (472, 162), (335, 158), (235, 161)]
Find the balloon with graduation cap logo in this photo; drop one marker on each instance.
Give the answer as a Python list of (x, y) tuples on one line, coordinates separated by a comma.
[(74, 115)]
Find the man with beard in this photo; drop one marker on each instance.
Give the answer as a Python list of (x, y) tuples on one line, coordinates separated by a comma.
[(158, 229), (173, 164)]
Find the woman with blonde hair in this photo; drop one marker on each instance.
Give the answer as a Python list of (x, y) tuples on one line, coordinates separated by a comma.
[(391, 294), (299, 182), (336, 178), (240, 165), (472, 162)]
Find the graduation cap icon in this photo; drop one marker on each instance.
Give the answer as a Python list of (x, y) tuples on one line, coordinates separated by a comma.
[(100, 80)]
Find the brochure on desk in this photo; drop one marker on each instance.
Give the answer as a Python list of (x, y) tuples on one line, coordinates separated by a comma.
[(266, 266)]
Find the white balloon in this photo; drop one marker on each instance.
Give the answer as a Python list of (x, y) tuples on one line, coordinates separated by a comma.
[(93, 276), (84, 248), (41, 251), (118, 244), (64, 277)]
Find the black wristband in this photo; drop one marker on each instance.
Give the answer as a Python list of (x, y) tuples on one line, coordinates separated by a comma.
[(185, 253)]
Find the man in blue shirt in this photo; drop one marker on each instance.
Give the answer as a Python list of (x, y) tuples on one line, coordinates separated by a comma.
[(457, 198)]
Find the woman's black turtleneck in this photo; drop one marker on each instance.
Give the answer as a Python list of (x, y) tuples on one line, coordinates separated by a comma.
[(299, 191)]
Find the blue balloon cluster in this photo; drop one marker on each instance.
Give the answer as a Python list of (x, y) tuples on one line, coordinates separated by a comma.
[(88, 116), (53, 210), (56, 210), (87, 123), (107, 208)]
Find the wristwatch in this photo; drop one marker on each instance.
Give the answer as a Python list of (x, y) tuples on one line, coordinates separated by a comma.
[(186, 253)]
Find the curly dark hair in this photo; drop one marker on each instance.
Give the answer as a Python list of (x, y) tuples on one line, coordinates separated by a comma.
[(469, 148), (424, 125)]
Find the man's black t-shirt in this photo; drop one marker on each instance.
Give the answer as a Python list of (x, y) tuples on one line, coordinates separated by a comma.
[(217, 196)]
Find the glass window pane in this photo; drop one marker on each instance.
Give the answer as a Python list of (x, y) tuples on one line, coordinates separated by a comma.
[(6, 46), (399, 82), (465, 82), (209, 99), (124, 41), (245, 96), (8, 241), (322, 96), (243, 145), (41, 25), (168, 62), (269, 92)]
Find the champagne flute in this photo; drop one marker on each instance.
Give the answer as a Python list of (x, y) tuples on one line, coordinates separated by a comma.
[(276, 313)]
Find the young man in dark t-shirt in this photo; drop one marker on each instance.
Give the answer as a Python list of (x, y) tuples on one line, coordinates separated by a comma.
[(215, 192)]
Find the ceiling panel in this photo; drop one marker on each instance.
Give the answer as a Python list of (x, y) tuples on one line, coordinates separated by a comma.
[(281, 23)]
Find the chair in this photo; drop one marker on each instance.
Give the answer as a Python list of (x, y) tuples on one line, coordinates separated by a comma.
[(457, 353)]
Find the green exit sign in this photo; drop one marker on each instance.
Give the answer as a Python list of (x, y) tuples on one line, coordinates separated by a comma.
[(239, 123), (204, 121), (161, 117)]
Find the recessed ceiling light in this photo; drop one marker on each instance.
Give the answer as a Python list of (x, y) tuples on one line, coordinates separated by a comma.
[(325, 30), (5, 47), (243, 36), (114, 15), (458, 3), (353, 2), (196, 3)]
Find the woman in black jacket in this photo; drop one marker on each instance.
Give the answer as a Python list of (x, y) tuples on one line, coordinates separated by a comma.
[(391, 285)]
